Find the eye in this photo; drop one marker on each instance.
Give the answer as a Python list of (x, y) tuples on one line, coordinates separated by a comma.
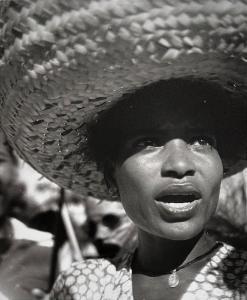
[(111, 221), (203, 141), (145, 142)]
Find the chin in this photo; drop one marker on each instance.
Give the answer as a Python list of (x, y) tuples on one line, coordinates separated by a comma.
[(180, 231)]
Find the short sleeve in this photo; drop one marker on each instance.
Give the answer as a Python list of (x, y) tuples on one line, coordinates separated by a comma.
[(84, 280)]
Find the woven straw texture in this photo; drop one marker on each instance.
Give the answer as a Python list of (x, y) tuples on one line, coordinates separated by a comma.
[(64, 61)]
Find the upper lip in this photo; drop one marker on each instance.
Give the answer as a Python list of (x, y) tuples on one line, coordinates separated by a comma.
[(178, 193)]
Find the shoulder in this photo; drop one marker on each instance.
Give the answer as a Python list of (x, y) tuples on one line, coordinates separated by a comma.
[(24, 267), (232, 262), (237, 256), (84, 279)]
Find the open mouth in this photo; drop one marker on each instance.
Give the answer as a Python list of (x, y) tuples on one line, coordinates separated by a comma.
[(179, 200), (107, 250)]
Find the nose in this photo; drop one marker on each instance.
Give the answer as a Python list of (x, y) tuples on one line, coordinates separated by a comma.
[(177, 160), (102, 232)]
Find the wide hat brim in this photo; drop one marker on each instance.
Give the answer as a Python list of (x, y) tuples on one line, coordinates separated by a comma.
[(65, 62)]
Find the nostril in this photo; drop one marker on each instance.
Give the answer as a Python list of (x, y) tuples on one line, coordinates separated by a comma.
[(178, 174), (190, 173)]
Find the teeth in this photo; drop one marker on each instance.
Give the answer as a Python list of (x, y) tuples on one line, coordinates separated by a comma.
[(178, 205)]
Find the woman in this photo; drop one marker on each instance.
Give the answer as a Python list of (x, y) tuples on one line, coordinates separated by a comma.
[(162, 148), (152, 95)]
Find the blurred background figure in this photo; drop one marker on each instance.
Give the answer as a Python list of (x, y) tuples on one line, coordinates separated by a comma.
[(230, 221), (112, 231), (41, 198), (59, 212), (24, 252)]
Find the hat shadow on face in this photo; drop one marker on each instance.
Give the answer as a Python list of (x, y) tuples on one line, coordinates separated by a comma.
[(198, 100)]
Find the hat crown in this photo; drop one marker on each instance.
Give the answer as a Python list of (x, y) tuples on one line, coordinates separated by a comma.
[(151, 27)]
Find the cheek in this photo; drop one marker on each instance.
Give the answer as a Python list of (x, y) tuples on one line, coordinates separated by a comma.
[(212, 180), (134, 175), (215, 172), (135, 185)]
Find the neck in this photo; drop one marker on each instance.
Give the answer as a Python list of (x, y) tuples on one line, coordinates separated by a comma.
[(158, 256)]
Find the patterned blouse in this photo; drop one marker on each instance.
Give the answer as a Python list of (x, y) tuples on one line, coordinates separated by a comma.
[(223, 277)]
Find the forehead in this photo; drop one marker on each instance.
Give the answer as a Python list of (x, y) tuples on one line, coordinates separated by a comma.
[(196, 103), (98, 209)]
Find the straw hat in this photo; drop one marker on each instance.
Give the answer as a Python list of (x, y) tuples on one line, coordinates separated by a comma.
[(63, 62)]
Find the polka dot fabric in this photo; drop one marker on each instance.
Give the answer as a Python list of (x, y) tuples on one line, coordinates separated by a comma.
[(93, 279), (223, 277)]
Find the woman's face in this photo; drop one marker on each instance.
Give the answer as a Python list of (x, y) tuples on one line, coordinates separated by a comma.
[(169, 171)]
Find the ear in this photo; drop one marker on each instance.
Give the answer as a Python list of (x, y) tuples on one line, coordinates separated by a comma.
[(231, 166), (110, 181)]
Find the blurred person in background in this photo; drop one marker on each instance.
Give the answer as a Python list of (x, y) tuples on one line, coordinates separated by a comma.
[(230, 221), (41, 198), (24, 252), (45, 211), (102, 228), (111, 229)]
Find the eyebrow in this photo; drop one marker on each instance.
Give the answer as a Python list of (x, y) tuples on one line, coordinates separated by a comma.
[(166, 131)]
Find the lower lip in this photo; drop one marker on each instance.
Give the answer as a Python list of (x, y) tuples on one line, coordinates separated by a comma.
[(178, 210)]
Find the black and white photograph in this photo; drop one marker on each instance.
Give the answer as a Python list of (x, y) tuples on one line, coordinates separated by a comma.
[(123, 149)]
